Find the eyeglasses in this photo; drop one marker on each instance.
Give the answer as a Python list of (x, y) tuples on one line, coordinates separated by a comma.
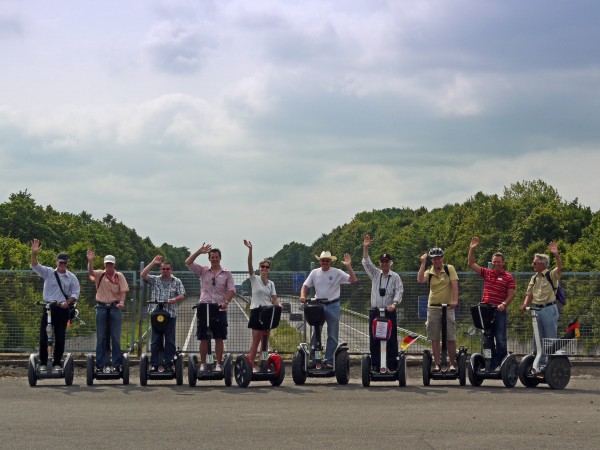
[(214, 281), (265, 267)]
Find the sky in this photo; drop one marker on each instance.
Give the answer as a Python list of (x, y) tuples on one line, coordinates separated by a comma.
[(277, 121)]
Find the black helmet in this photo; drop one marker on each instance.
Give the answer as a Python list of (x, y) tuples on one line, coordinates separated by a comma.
[(436, 251)]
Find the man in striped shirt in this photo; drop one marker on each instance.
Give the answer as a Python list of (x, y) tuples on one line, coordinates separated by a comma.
[(498, 290)]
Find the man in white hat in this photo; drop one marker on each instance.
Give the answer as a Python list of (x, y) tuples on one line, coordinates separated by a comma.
[(111, 289), (327, 281)]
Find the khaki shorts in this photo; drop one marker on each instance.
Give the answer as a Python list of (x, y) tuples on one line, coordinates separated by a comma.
[(433, 326)]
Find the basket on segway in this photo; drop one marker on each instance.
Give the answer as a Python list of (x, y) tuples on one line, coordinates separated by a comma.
[(309, 363), (272, 367)]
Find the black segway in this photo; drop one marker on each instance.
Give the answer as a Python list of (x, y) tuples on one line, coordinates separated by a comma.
[(272, 367), (310, 363), (35, 371), (480, 365), (557, 372), (109, 372), (166, 370), (461, 358), (206, 313), (381, 329)]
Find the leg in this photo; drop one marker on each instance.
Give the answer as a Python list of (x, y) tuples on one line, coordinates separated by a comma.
[(500, 336), (170, 340), (116, 317), (451, 335), (100, 337), (332, 316), (452, 352), (254, 346), (203, 350), (43, 339), (60, 317), (219, 347), (548, 327), (154, 348), (392, 345), (436, 349), (373, 343)]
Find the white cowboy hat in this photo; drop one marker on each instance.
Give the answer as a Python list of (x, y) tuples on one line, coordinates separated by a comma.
[(326, 255)]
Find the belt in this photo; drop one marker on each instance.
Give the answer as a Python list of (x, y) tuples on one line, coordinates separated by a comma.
[(328, 302), (104, 304), (544, 305)]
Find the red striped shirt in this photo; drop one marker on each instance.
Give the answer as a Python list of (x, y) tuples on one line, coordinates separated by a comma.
[(496, 286)]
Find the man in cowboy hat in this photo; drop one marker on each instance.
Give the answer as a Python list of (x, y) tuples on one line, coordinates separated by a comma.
[(327, 281)]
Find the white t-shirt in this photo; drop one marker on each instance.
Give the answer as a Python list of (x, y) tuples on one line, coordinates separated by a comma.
[(327, 283), (261, 293)]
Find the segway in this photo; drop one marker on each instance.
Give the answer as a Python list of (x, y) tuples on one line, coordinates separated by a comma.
[(461, 358), (272, 367), (206, 314), (109, 372), (381, 329), (480, 366), (307, 363), (35, 371), (557, 372), (166, 370)]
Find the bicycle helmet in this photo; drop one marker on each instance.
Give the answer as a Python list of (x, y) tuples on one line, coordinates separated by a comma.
[(436, 251)]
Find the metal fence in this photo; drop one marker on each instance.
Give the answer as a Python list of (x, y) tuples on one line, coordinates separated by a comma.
[(19, 319)]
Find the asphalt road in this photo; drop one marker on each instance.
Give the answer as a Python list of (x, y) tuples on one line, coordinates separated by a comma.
[(316, 415)]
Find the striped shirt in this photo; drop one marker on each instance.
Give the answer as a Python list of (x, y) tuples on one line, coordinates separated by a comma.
[(496, 285)]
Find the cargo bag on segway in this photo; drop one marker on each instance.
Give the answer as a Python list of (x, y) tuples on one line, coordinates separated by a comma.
[(269, 317), (382, 328), (483, 315), (160, 320), (211, 311), (315, 314)]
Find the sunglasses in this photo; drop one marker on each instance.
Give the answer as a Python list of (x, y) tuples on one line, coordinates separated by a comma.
[(165, 268), (265, 267), (214, 281)]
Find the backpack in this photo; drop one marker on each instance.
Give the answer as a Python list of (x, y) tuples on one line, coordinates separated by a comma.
[(445, 270), (559, 291)]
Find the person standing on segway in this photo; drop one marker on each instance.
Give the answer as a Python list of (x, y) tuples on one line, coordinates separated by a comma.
[(216, 286), (327, 281), (443, 289), (386, 292), (60, 286), (263, 294), (498, 290), (111, 289), (541, 292), (165, 288)]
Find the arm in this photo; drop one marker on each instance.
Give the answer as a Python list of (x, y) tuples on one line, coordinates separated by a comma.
[(454, 303), (554, 251), (348, 263), (275, 300), (366, 242), (421, 278), (303, 293), (176, 299), (90, 258), (471, 259), (250, 267), (35, 248), (157, 260), (204, 249), (526, 302)]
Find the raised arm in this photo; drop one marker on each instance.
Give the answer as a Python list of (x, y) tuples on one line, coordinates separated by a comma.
[(90, 258), (471, 259), (250, 266), (554, 250), (157, 260), (421, 278), (35, 248), (204, 249), (348, 263), (366, 242)]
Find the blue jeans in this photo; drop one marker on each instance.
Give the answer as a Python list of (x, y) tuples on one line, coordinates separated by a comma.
[(332, 317), (169, 344), (497, 339), (392, 343), (547, 321), (115, 335)]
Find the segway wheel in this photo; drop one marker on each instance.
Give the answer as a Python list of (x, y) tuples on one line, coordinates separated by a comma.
[(475, 365), (342, 367), (227, 371), (125, 368), (426, 366), (144, 370), (365, 370), (69, 370), (462, 368), (89, 369), (192, 364), (31, 374), (402, 370), (298, 372), (179, 370), (242, 371), (558, 373), (509, 372), (524, 372), (276, 363)]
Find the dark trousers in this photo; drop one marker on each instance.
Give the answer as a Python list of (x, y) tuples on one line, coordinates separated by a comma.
[(60, 317), (168, 341), (392, 343)]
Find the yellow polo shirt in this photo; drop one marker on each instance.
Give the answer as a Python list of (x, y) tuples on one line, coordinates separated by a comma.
[(440, 286)]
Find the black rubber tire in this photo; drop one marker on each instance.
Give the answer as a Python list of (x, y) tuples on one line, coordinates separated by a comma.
[(69, 370), (365, 370), (227, 372), (475, 364), (192, 365), (179, 370), (125, 368), (524, 371), (402, 370), (298, 372), (426, 366), (462, 368), (90, 360), (144, 370), (242, 371), (509, 372), (31, 371), (342, 367), (558, 373), (278, 380)]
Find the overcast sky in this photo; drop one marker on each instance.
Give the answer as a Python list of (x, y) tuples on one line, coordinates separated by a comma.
[(276, 121)]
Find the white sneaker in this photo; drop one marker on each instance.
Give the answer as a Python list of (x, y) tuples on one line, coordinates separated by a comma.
[(202, 367), (218, 367)]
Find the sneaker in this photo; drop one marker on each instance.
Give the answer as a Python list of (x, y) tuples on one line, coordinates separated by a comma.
[(218, 367), (56, 368), (42, 368), (327, 366), (254, 370), (436, 368), (153, 369), (452, 368), (497, 368), (202, 367)]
